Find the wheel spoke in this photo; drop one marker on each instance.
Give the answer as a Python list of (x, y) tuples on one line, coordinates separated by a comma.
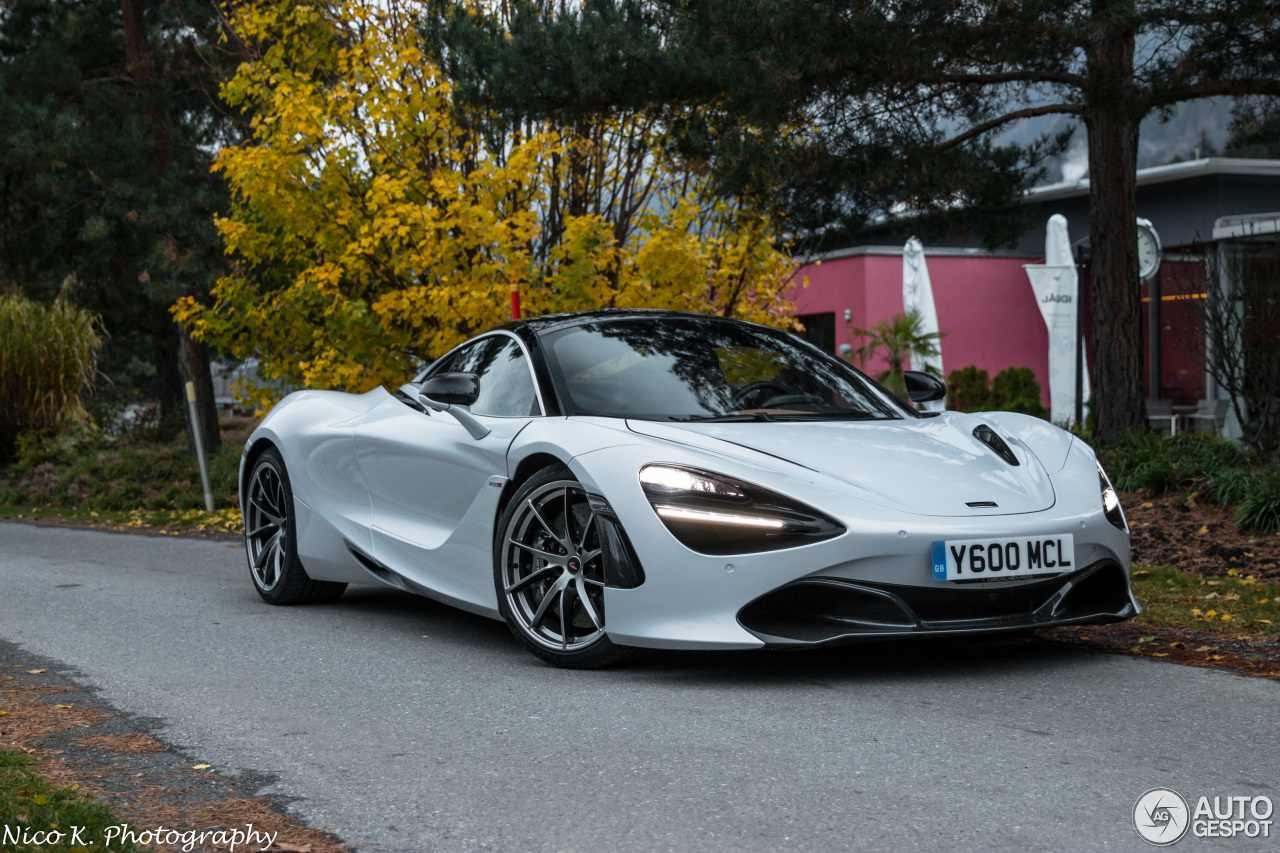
[(543, 522), (556, 559), (586, 531), (253, 534), (270, 545), (529, 578), (546, 601), (593, 582), (589, 556), (564, 631), (587, 606), (259, 501)]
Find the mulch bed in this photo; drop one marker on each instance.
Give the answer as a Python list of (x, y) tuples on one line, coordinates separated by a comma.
[(147, 784), (1170, 530), (1244, 654)]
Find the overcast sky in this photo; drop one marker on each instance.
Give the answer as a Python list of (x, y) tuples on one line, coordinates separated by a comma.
[(1159, 142)]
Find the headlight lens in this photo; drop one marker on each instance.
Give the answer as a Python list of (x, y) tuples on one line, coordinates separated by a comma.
[(713, 514), (1111, 501)]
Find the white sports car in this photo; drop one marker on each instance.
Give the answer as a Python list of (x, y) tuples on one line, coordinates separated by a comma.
[(615, 480)]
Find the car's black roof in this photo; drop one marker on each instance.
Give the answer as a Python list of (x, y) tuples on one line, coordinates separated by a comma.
[(557, 321)]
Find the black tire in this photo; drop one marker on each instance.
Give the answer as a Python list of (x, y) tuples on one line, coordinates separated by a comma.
[(548, 573), (271, 539)]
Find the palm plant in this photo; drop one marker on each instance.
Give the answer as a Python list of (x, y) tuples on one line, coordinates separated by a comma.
[(901, 337)]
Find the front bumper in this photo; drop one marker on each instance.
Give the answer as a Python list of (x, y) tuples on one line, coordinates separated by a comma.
[(822, 611), (697, 601)]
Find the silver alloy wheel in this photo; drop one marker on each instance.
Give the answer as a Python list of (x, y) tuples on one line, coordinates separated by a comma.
[(552, 570), (266, 526)]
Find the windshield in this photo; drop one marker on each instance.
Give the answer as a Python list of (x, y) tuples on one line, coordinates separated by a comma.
[(692, 369)]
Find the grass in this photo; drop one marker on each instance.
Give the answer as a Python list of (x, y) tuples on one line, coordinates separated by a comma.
[(35, 809), (226, 520), (1237, 604), (48, 359), (97, 472)]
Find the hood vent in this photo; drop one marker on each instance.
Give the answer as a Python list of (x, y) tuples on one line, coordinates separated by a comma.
[(988, 436)]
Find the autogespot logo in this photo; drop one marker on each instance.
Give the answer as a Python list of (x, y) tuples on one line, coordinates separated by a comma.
[(1161, 816)]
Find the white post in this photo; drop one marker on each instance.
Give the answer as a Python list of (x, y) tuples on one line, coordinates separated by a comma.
[(195, 433)]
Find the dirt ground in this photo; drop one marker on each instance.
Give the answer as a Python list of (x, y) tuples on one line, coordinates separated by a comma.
[(1193, 537), (114, 758)]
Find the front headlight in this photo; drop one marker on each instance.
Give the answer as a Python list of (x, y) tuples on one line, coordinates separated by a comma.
[(713, 514), (1111, 501)]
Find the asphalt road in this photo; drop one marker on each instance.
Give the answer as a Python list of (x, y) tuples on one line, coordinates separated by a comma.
[(395, 720)]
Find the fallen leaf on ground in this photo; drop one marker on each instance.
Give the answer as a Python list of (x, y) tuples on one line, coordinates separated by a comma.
[(201, 766), (36, 671), (63, 707), (1204, 528)]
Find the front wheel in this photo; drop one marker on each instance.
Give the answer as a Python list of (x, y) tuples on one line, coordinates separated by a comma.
[(549, 573), (271, 539)]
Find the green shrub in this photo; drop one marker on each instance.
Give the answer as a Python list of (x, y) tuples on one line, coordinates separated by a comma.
[(81, 469), (969, 390), (1146, 460), (48, 359), (1015, 389), (1259, 511)]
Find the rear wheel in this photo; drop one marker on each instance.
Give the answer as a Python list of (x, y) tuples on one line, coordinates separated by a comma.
[(271, 539), (549, 573)]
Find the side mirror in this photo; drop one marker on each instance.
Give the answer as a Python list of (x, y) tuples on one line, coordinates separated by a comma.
[(453, 389), (452, 393), (923, 387)]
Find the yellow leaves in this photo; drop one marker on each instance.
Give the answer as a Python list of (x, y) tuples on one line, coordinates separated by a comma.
[(36, 671), (63, 707), (1204, 528), (381, 232), (4, 713), (40, 799), (1227, 617), (201, 766), (1235, 573)]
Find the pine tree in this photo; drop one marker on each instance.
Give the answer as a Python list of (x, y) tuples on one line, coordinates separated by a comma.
[(108, 121)]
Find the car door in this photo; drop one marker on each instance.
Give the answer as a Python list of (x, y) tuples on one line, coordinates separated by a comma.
[(430, 481)]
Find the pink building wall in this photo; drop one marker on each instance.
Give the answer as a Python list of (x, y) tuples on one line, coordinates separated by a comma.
[(985, 306)]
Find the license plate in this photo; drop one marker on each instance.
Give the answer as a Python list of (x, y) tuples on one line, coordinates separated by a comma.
[(992, 559)]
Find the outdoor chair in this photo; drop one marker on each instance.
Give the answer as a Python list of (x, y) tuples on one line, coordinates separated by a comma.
[(1209, 414), (1161, 417)]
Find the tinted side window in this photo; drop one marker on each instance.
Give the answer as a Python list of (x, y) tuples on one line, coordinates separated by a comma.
[(506, 385)]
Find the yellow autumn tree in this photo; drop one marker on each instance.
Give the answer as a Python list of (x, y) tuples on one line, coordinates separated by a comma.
[(372, 230)]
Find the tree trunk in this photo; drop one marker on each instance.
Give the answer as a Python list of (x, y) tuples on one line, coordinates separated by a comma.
[(1115, 327), (195, 363), (164, 339)]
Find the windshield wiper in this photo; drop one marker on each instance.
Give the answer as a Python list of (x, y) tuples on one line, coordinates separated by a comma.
[(722, 419)]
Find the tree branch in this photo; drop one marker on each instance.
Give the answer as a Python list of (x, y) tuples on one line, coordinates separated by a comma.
[(1064, 77), (1236, 88), (1030, 112)]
